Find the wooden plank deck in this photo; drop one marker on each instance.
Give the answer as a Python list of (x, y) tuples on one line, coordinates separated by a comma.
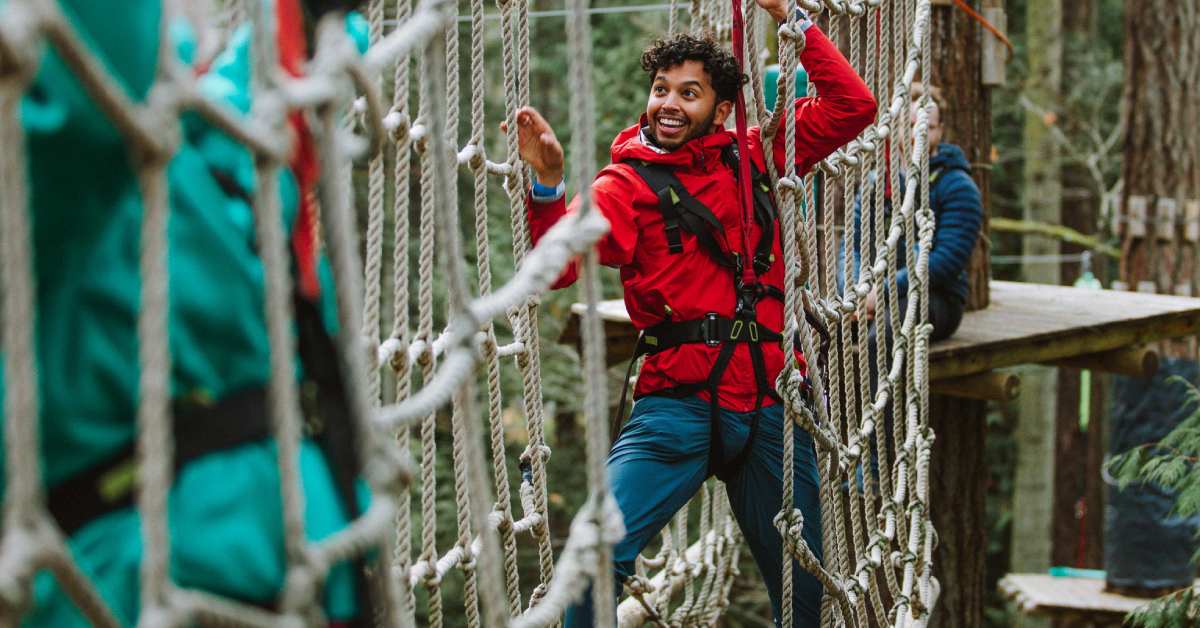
[(1025, 323), (1028, 323), (1080, 601)]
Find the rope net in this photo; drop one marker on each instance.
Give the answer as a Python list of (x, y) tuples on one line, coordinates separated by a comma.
[(878, 543)]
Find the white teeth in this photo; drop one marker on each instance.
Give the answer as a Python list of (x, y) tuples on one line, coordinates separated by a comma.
[(671, 122)]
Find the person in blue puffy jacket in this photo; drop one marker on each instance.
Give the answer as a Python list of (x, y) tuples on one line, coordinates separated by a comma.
[(958, 215)]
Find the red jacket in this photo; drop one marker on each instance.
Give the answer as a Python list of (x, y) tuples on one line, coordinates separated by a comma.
[(690, 283)]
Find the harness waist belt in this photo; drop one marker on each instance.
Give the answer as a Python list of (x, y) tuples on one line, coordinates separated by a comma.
[(109, 485), (711, 330)]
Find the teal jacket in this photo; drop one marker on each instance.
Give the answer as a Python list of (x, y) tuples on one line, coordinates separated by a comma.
[(225, 513)]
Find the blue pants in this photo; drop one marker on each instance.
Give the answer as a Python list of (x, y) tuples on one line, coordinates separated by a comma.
[(661, 460)]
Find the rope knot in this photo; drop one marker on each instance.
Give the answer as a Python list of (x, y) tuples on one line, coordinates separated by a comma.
[(429, 575), (399, 357), (638, 586), (539, 592), (540, 451), (19, 52), (468, 562), (397, 124)]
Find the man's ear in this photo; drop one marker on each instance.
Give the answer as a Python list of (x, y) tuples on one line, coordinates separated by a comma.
[(724, 108)]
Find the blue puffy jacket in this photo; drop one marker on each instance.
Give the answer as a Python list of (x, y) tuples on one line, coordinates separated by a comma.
[(958, 214)]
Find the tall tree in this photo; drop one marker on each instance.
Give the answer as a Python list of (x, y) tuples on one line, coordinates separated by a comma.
[(959, 473), (1160, 204), (1033, 484), (1162, 145), (1078, 494)]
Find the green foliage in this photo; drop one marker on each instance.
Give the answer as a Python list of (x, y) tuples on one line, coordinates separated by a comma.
[(1177, 610), (1087, 113), (1169, 464)]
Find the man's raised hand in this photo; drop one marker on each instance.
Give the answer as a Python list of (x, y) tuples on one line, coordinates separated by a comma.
[(538, 146), (777, 8)]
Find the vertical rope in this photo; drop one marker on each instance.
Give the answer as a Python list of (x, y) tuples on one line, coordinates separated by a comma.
[(491, 356), (494, 605), (426, 359), (155, 446), (23, 495), (373, 265), (401, 296)]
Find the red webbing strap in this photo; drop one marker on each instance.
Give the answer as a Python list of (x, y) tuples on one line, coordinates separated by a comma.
[(293, 54), (742, 143)]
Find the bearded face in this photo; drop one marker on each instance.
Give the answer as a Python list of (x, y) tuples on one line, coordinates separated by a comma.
[(683, 105)]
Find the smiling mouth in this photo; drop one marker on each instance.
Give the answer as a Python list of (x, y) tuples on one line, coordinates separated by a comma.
[(671, 124)]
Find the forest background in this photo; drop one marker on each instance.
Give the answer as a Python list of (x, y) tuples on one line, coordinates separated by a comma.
[(1081, 119)]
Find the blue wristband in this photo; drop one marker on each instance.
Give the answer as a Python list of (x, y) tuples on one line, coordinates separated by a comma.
[(802, 19), (545, 194)]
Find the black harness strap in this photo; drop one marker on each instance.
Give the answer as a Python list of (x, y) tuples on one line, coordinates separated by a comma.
[(238, 419), (765, 213), (681, 210), (200, 428), (711, 330)]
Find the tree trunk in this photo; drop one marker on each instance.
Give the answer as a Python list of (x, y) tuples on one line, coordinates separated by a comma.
[(1160, 216), (1078, 507), (1033, 486), (1162, 144), (959, 472)]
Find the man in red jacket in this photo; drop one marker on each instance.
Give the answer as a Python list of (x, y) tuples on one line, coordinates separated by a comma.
[(703, 281)]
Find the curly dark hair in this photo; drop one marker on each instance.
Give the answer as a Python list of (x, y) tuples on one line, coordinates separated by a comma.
[(719, 63)]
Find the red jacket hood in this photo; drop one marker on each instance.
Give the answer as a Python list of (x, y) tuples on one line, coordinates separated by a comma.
[(695, 153), (629, 145)]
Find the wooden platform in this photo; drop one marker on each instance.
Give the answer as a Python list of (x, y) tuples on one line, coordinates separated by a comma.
[(1025, 323), (1077, 600)]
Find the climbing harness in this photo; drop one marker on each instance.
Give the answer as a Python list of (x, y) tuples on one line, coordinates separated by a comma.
[(681, 211)]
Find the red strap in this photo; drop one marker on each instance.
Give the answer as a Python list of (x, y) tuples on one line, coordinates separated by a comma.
[(742, 143), (293, 53)]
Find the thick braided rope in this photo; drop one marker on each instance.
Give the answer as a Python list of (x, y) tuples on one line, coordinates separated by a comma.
[(849, 431), (150, 129), (161, 605), (373, 265), (478, 164), (400, 126), (458, 300), (917, 588), (427, 359), (462, 554), (605, 516), (524, 317), (441, 146)]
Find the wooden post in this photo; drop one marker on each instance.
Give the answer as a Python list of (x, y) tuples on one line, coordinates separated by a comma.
[(959, 476)]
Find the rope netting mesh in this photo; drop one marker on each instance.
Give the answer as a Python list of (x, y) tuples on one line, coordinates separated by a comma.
[(878, 542)]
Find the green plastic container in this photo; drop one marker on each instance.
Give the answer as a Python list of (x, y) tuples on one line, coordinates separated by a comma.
[(771, 82)]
